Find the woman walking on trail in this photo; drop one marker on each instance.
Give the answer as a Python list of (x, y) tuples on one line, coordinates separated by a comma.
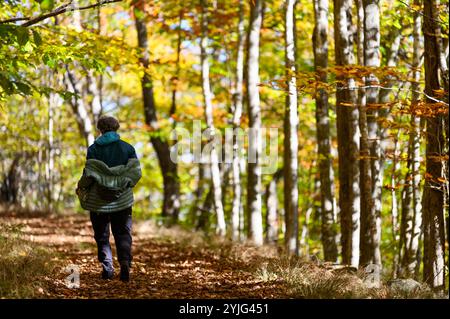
[(105, 189)]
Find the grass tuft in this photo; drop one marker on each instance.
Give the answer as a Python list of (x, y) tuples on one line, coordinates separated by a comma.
[(309, 280), (23, 265)]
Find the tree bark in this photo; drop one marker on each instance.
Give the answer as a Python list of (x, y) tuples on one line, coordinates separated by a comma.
[(205, 211), (348, 136), (79, 108), (237, 113), (176, 78), (433, 199), (364, 154), (320, 44), (194, 211), (94, 89), (370, 164), (272, 209), (169, 169), (313, 190), (207, 97), (411, 220), (254, 115), (291, 134), (9, 189), (372, 58), (394, 202)]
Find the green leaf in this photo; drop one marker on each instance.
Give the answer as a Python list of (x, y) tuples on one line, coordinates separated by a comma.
[(7, 31), (47, 5), (6, 84), (23, 88), (22, 36), (37, 38), (139, 14), (49, 61)]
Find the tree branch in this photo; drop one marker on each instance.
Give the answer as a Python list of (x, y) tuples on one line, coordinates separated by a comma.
[(60, 10), (14, 20), (421, 12)]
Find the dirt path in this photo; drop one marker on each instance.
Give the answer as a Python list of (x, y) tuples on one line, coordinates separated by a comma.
[(167, 264)]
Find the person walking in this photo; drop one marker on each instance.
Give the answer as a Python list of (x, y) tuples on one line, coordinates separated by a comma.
[(106, 190)]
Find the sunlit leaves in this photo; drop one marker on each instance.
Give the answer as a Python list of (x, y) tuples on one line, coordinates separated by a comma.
[(47, 5), (24, 50)]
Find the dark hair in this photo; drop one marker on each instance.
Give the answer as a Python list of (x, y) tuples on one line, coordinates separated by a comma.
[(107, 124)]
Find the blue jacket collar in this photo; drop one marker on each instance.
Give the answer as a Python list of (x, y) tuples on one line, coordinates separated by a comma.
[(107, 138)]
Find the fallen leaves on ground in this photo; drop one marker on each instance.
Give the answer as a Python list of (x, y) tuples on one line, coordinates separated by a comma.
[(166, 264)]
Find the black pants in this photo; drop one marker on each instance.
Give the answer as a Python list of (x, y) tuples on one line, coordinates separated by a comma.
[(121, 228)]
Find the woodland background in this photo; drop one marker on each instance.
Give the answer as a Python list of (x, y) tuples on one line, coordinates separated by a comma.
[(358, 90)]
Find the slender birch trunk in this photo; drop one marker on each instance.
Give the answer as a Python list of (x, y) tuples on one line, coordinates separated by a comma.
[(291, 135), (207, 97), (394, 202), (272, 209), (372, 58), (237, 114), (79, 108), (254, 114)]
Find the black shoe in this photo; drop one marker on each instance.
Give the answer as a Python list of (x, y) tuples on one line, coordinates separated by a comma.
[(125, 273), (107, 274)]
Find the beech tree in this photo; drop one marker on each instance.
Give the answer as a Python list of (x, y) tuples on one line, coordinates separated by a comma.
[(254, 187), (328, 206), (207, 97), (171, 197), (348, 135), (436, 78), (290, 135)]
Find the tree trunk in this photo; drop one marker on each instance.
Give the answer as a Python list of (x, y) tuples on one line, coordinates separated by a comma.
[(433, 199), (169, 169), (272, 209), (368, 15), (395, 35), (366, 174), (389, 81), (194, 211), (412, 208), (94, 93), (54, 102), (79, 108), (205, 211), (291, 135), (314, 189), (176, 78), (372, 58), (254, 115), (207, 97), (237, 113), (320, 44), (9, 189), (348, 136), (394, 203)]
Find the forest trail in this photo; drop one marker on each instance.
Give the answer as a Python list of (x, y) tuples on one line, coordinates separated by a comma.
[(167, 263)]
